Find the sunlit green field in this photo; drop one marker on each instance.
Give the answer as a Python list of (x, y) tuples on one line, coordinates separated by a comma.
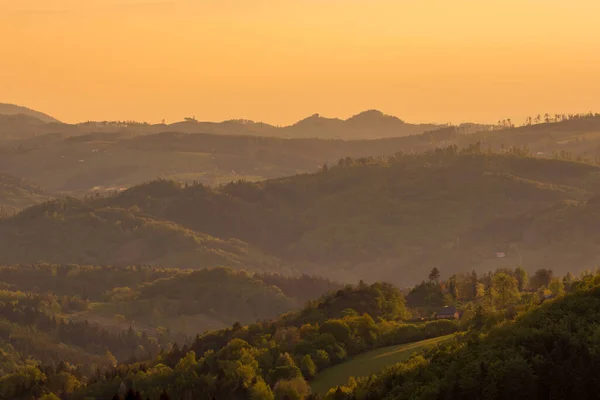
[(369, 363)]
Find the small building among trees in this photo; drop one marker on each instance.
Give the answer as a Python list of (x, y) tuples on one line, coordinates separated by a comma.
[(447, 313)]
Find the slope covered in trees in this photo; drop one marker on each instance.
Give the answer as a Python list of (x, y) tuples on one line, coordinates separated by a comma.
[(35, 323), (389, 219), (276, 359), (16, 194), (269, 359), (550, 352), (569, 136), (568, 228), (272, 358), (96, 316), (222, 294), (72, 231)]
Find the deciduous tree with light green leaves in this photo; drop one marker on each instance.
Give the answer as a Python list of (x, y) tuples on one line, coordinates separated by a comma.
[(522, 278), (308, 366), (293, 389), (556, 286), (504, 290)]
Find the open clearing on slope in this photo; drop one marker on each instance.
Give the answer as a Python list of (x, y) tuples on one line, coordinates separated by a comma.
[(369, 363)]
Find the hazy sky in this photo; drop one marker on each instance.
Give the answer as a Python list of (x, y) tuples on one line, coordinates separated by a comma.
[(281, 60)]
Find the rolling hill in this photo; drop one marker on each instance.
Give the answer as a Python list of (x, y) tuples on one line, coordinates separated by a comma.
[(94, 309), (72, 231), (11, 109), (192, 302), (105, 161), (391, 220), (548, 352), (20, 127), (387, 219), (370, 124), (16, 194), (107, 156)]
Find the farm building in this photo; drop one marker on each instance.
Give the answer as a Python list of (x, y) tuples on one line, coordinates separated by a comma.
[(447, 313)]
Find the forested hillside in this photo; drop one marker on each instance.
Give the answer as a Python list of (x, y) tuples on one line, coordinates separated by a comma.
[(388, 218), (394, 218), (550, 352), (16, 194), (277, 358), (252, 359), (95, 317), (73, 231)]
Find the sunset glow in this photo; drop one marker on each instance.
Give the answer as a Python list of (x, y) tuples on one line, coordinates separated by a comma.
[(279, 61)]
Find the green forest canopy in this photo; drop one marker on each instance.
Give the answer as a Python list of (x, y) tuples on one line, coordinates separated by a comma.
[(550, 352)]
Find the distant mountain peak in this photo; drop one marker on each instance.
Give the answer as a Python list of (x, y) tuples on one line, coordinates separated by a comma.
[(315, 118), (12, 109), (370, 116), (368, 113)]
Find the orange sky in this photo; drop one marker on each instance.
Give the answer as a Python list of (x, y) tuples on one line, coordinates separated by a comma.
[(281, 60)]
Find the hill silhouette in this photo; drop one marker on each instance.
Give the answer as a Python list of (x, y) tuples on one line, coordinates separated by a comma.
[(11, 109), (21, 126), (371, 124), (111, 156), (377, 123)]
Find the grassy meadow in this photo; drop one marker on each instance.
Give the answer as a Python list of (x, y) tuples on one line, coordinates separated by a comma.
[(370, 363)]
